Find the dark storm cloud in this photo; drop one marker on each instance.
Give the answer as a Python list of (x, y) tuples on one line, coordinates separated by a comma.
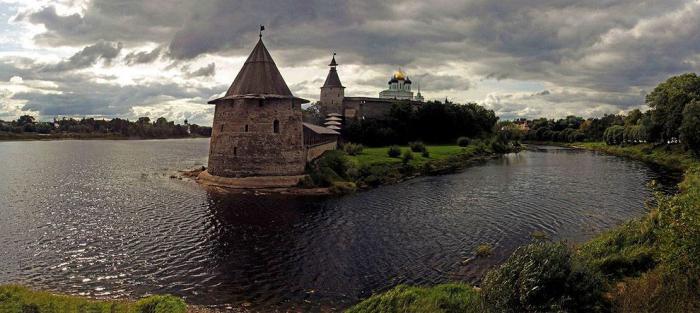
[(611, 51), (102, 50), (127, 21), (142, 57), (86, 98), (208, 70), (81, 95)]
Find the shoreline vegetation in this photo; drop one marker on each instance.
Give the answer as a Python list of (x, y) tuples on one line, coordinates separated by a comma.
[(27, 128), (650, 264), (354, 167)]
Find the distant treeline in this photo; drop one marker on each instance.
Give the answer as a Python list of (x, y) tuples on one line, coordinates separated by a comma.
[(673, 117), (432, 122), (141, 128)]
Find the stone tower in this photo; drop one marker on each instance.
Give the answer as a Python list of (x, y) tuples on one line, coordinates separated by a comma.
[(332, 92), (257, 127)]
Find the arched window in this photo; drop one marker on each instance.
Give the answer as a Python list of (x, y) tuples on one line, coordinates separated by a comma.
[(246, 128), (235, 151), (276, 127)]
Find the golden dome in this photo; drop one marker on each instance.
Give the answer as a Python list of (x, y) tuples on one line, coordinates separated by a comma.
[(400, 75)]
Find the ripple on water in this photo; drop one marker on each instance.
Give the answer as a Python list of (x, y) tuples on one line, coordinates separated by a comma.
[(106, 223)]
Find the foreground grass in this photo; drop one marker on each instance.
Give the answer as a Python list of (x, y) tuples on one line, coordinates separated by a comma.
[(651, 264), (17, 299), (441, 298)]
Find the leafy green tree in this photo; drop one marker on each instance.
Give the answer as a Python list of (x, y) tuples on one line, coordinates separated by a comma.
[(633, 117), (668, 100), (690, 127), (25, 120), (614, 135)]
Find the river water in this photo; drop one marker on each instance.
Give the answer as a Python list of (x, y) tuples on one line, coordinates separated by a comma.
[(104, 219)]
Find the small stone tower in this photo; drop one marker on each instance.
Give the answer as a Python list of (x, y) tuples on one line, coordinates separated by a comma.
[(257, 127), (332, 92)]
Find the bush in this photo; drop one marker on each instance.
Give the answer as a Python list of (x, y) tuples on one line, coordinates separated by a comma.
[(353, 148), (498, 147), (161, 304), (441, 298), (331, 167), (425, 154), (543, 277), (417, 146), (394, 152), (462, 141), (407, 156)]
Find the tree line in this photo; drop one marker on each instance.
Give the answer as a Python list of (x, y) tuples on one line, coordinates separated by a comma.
[(141, 128), (673, 117), (432, 122)]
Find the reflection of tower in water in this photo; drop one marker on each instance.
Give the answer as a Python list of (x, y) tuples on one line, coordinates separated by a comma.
[(261, 245)]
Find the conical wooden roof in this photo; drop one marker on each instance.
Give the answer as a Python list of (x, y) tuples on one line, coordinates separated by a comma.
[(258, 78), (332, 80)]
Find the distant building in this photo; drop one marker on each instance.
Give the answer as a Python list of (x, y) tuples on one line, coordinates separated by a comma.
[(399, 87), (334, 102), (258, 129), (522, 125)]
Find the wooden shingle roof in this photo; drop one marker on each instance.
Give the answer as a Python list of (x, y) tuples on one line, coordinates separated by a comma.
[(258, 78)]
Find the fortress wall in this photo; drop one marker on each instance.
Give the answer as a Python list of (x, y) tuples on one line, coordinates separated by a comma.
[(316, 151), (259, 151)]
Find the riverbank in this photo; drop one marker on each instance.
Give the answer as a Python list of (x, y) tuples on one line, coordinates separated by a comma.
[(9, 136), (651, 264), (372, 167), (338, 173)]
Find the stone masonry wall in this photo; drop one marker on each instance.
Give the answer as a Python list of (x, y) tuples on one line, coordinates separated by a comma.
[(332, 100), (259, 151)]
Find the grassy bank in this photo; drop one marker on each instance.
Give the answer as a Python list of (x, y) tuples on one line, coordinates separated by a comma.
[(670, 156), (651, 264), (16, 299), (373, 167)]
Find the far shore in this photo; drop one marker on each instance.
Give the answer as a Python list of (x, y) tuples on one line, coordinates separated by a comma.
[(5, 136)]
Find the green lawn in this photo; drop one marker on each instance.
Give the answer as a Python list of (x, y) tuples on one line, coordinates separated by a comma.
[(375, 156)]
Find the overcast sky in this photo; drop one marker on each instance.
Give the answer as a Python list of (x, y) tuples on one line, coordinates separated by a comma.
[(524, 58)]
